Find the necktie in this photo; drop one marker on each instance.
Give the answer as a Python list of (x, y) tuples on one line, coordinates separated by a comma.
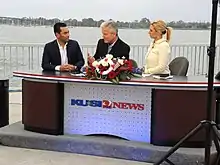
[(109, 47)]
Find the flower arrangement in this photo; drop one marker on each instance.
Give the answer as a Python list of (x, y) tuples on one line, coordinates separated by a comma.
[(112, 69)]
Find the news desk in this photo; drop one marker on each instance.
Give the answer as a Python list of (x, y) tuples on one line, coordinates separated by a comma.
[(145, 109)]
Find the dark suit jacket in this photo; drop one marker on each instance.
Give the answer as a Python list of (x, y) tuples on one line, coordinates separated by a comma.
[(119, 49), (51, 55)]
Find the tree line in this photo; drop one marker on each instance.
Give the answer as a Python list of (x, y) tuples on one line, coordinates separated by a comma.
[(90, 22)]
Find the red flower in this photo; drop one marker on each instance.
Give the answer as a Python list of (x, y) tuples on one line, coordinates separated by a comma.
[(127, 66), (100, 67), (126, 61), (103, 68), (130, 65), (92, 69), (90, 65), (117, 72), (112, 75), (122, 68)]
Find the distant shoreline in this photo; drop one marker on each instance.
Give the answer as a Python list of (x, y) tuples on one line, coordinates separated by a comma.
[(143, 23), (98, 27)]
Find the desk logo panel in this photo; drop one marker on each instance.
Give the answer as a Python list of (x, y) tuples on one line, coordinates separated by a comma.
[(123, 111), (107, 104)]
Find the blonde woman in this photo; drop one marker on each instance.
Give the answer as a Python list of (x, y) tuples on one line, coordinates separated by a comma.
[(158, 55)]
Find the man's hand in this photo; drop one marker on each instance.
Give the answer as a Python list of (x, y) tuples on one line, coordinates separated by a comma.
[(67, 67), (90, 59)]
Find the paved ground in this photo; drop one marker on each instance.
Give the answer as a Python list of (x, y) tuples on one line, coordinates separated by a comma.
[(19, 156)]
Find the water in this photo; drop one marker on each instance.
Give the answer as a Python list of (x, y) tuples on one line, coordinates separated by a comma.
[(19, 60), (90, 36)]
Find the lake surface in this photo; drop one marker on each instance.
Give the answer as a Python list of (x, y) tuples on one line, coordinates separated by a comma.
[(20, 59), (90, 35)]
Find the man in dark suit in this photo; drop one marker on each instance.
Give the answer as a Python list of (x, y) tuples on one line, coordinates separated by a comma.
[(62, 54), (110, 44)]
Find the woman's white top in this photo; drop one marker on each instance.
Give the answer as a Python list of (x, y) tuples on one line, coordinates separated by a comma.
[(158, 58)]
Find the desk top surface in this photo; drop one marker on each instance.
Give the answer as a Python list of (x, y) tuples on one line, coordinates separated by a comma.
[(176, 81)]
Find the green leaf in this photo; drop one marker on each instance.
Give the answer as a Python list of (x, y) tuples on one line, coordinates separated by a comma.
[(123, 76), (96, 74), (114, 81), (136, 75), (93, 78), (117, 79), (104, 77)]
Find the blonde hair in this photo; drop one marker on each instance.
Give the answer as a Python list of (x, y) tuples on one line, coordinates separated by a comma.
[(160, 26)]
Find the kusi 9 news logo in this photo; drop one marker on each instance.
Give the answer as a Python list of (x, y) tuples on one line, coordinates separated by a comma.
[(107, 104)]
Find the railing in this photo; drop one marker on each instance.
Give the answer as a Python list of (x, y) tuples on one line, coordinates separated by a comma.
[(27, 57)]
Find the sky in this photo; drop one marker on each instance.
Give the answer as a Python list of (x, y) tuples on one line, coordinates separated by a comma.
[(122, 10)]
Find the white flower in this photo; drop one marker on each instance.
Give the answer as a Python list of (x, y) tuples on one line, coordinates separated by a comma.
[(123, 57), (109, 56), (95, 63), (104, 62), (120, 61), (107, 71)]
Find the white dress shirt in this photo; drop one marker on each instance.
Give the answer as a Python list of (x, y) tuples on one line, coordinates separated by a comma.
[(63, 56), (158, 57), (110, 46)]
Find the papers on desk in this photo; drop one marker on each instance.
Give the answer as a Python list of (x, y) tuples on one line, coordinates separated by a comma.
[(78, 74), (146, 75), (162, 78)]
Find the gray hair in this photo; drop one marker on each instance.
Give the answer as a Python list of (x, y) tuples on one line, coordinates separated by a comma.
[(111, 25)]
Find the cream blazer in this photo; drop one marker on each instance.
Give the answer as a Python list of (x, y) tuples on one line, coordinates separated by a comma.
[(158, 57)]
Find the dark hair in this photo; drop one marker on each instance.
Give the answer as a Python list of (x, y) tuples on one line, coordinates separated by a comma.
[(57, 26)]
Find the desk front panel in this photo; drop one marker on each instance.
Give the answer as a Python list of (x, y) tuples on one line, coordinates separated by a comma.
[(122, 111), (175, 113), (42, 107)]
